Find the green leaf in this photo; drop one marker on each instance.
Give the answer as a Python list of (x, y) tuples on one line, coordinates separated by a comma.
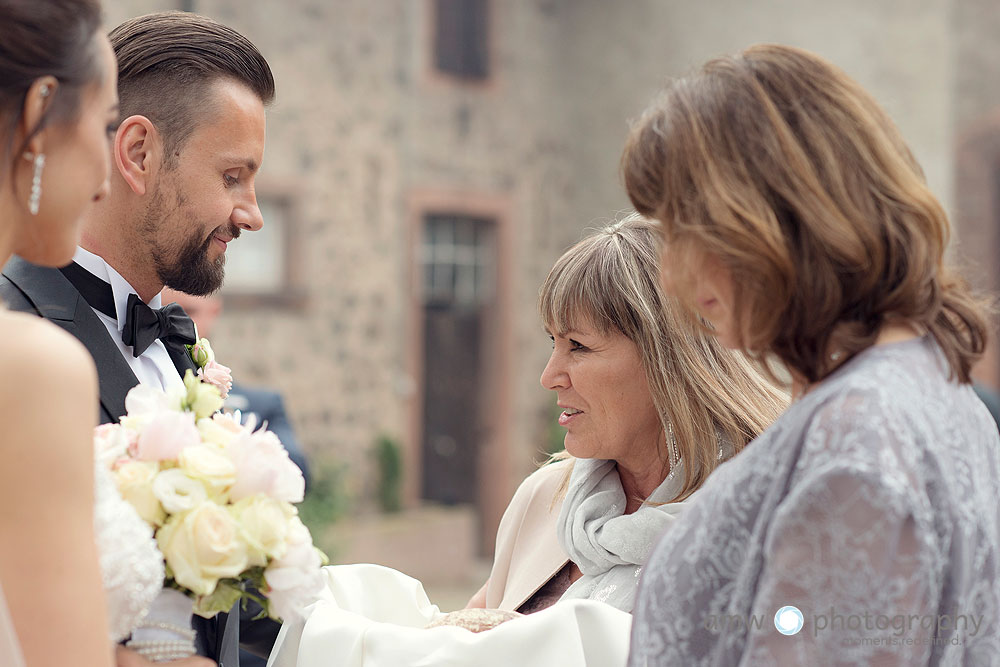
[(226, 594)]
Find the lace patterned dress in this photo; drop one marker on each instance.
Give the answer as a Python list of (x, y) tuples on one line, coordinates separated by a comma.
[(131, 565), (871, 506)]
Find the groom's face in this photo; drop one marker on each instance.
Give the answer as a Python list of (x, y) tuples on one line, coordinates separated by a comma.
[(205, 195)]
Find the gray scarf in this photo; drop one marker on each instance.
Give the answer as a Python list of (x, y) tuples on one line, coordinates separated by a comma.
[(609, 546)]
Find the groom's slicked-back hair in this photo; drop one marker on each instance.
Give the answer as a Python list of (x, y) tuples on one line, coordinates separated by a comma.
[(168, 61)]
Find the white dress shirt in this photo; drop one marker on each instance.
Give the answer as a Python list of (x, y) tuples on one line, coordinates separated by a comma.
[(152, 367)]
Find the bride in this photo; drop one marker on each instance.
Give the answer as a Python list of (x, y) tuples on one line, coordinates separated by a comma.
[(62, 602)]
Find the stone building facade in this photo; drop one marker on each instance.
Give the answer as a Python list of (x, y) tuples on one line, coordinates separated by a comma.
[(381, 169), (975, 95)]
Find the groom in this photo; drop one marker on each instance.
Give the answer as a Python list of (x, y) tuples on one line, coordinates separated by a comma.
[(193, 94)]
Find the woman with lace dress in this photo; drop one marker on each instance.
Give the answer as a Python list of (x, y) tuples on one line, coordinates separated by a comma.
[(58, 102), (863, 526), (651, 406)]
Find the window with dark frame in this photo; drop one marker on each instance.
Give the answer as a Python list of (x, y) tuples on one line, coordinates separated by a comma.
[(461, 38), (260, 264), (458, 260)]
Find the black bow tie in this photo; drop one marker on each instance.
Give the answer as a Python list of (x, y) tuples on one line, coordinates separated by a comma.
[(143, 325)]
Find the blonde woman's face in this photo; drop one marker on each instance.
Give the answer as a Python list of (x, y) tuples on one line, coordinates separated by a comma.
[(600, 384), (703, 282)]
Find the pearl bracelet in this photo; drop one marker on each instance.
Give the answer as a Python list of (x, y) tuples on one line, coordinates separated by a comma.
[(187, 633), (162, 650)]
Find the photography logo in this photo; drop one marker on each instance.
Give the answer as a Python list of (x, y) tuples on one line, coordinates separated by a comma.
[(788, 620)]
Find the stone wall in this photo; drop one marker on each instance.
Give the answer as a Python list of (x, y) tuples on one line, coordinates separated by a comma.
[(363, 134), (976, 125)]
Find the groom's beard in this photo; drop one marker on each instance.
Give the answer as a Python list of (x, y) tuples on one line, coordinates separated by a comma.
[(193, 272), (185, 267)]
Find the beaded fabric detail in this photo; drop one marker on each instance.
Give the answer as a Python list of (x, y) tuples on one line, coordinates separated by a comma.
[(131, 565)]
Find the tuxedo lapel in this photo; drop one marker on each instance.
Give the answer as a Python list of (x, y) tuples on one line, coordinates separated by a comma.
[(114, 375), (180, 356), (55, 299)]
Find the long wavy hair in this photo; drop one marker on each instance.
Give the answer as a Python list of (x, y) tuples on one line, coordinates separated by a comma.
[(713, 400), (782, 167)]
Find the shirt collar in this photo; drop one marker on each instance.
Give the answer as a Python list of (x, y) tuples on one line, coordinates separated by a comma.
[(120, 288)]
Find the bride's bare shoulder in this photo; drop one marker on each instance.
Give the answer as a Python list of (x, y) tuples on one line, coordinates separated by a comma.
[(37, 356)]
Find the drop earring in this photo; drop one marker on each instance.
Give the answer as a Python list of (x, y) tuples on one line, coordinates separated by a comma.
[(35, 199), (674, 455)]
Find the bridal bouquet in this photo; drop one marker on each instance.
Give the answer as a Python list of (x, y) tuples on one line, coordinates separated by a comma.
[(219, 496)]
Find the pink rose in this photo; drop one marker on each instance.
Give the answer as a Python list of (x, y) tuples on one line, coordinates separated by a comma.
[(217, 375), (263, 466), (166, 435)]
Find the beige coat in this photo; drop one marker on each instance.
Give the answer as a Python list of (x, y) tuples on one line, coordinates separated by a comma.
[(528, 553)]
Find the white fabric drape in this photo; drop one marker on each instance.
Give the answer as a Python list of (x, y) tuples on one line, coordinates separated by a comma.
[(373, 616)]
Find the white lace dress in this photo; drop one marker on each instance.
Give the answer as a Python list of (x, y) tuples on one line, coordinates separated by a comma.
[(131, 565), (871, 506)]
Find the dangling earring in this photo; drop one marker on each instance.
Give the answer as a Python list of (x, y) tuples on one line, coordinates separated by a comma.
[(35, 199), (36, 185), (674, 455)]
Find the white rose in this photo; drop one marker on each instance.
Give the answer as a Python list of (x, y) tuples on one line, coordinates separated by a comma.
[(111, 443), (295, 579), (263, 466), (296, 566), (135, 422), (203, 546), (177, 491), (208, 465), (135, 482), (264, 523), (219, 429), (145, 399), (175, 397), (201, 398)]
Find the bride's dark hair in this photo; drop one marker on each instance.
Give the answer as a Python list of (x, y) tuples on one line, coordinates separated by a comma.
[(44, 38)]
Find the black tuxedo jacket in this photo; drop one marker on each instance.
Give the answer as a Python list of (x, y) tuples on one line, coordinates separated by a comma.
[(47, 293)]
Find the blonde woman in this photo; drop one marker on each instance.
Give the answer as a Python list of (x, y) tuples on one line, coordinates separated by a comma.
[(651, 406), (864, 523)]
